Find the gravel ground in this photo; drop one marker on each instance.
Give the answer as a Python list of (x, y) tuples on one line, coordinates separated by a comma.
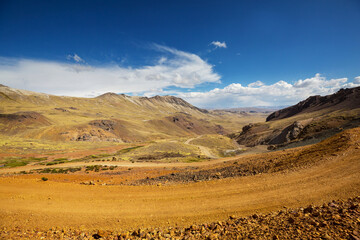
[(335, 220)]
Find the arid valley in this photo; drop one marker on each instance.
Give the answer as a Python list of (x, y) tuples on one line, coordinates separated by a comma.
[(180, 119), (161, 168)]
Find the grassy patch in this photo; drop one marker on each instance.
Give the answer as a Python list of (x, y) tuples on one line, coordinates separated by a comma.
[(195, 159), (126, 150), (18, 162), (15, 163), (60, 159), (59, 170), (57, 161)]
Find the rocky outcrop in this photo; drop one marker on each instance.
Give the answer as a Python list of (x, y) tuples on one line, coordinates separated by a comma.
[(107, 125), (289, 134), (343, 99), (252, 135)]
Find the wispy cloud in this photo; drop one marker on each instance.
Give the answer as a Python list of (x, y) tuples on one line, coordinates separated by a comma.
[(178, 68), (75, 57), (259, 94), (218, 44)]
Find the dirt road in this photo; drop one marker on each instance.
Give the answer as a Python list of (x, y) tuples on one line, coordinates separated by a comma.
[(204, 150)]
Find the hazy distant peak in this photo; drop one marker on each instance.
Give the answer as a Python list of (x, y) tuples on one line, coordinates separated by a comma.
[(108, 94), (15, 91)]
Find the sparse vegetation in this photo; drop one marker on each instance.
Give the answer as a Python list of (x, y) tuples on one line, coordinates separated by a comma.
[(59, 170)]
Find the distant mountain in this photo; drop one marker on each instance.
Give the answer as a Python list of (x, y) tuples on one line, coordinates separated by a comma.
[(250, 109)]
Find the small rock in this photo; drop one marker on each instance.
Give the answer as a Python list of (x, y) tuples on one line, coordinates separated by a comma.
[(291, 220), (96, 236), (309, 209)]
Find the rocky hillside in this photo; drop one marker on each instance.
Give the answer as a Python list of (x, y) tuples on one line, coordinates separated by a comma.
[(344, 99), (310, 120)]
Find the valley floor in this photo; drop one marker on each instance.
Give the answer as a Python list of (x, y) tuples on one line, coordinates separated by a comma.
[(109, 204)]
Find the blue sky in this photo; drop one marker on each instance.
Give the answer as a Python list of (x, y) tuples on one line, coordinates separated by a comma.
[(211, 53)]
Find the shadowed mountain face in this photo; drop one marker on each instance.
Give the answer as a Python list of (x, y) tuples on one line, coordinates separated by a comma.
[(312, 119), (344, 99), (109, 117)]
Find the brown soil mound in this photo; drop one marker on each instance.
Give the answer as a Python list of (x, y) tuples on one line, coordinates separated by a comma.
[(21, 120), (24, 117)]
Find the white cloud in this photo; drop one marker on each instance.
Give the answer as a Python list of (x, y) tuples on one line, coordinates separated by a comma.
[(259, 94), (172, 68), (180, 69), (357, 80), (162, 60), (218, 44), (256, 84), (75, 57)]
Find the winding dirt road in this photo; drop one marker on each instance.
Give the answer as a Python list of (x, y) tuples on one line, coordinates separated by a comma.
[(204, 150)]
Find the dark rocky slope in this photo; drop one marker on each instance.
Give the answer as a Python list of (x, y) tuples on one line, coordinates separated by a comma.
[(343, 99)]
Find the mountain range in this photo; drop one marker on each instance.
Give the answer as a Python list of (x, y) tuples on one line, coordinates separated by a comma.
[(108, 117)]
